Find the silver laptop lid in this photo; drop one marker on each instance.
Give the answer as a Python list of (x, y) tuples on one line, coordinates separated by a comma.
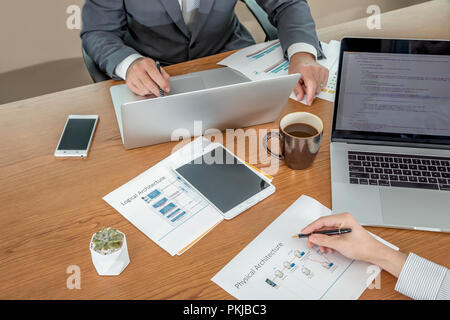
[(190, 82), (226, 101), (393, 92)]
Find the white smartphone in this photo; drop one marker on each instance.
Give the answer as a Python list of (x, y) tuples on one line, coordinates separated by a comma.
[(77, 136), (226, 182)]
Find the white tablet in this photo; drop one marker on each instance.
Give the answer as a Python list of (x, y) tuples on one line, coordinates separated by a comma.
[(229, 184)]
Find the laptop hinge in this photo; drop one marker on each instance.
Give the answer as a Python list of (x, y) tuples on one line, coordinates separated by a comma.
[(394, 144)]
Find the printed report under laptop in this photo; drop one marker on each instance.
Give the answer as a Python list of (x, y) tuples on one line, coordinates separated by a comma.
[(390, 150)]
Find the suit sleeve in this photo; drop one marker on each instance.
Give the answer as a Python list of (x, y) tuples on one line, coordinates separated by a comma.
[(104, 27), (294, 22)]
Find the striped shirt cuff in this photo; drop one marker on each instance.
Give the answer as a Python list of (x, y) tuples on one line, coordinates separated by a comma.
[(444, 291), (421, 279)]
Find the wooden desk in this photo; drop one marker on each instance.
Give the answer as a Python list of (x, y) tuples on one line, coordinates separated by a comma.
[(51, 207)]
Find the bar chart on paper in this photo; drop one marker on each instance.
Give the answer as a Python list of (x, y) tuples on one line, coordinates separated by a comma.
[(174, 201), (267, 60), (271, 46), (264, 60), (280, 66)]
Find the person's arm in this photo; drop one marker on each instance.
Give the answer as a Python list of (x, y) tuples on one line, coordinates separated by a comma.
[(423, 279), (104, 26), (122, 68), (297, 34), (301, 47), (293, 21), (418, 278)]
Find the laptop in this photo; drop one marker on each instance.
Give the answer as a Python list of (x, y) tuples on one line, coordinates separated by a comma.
[(213, 99), (390, 142)]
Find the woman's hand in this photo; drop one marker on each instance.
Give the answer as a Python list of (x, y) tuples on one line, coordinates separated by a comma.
[(358, 244)]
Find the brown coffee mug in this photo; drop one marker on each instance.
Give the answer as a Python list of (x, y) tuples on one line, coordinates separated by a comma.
[(300, 135)]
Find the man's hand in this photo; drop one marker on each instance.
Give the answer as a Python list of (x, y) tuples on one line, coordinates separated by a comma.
[(143, 78), (314, 76)]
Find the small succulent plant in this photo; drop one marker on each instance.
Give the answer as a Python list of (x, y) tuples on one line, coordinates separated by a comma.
[(107, 240)]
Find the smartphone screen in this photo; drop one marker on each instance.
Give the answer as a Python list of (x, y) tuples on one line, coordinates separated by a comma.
[(77, 134)]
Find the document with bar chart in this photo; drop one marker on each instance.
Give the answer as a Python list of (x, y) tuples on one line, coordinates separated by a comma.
[(276, 266), (164, 207), (266, 60), (174, 201), (259, 61)]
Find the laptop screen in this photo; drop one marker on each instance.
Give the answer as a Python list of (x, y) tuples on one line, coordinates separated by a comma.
[(393, 90)]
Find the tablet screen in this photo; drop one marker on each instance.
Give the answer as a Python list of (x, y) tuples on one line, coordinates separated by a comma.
[(223, 179)]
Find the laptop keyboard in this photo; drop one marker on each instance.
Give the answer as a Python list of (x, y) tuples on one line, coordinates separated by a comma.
[(397, 170)]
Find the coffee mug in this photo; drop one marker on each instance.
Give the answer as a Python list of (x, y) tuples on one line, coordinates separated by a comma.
[(300, 135)]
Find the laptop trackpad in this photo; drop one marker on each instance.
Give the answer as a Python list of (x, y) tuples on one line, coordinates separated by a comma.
[(186, 84), (355, 198), (415, 208)]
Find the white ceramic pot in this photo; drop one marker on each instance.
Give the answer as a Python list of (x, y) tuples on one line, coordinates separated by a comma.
[(110, 264)]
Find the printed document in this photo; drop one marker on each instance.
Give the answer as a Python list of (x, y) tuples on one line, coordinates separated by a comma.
[(276, 266), (266, 60), (165, 208)]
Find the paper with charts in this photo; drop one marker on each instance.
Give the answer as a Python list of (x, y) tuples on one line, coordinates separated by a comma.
[(165, 208), (276, 266), (266, 60)]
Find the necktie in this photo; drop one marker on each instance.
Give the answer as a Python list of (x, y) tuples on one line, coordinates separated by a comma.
[(189, 9)]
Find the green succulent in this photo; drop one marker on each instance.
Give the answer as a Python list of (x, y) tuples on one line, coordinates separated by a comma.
[(107, 240)]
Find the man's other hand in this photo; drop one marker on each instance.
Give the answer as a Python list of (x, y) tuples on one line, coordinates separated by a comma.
[(143, 78), (314, 76)]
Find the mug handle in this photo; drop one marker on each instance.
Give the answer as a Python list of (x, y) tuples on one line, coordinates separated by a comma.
[(269, 136)]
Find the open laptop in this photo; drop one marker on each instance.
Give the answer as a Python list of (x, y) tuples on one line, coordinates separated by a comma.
[(390, 149), (214, 99)]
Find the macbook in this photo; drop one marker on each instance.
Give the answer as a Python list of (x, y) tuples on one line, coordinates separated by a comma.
[(390, 145), (220, 99)]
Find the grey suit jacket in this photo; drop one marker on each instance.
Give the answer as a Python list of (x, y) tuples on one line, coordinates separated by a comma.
[(114, 29)]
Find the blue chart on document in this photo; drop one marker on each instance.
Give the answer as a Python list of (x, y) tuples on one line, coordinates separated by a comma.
[(164, 207), (301, 268), (174, 201), (266, 60), (276, 266)]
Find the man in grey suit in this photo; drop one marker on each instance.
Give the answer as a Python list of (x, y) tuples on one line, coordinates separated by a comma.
[(126, 37)]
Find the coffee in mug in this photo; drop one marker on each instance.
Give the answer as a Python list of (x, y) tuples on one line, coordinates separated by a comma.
[(300, 135)]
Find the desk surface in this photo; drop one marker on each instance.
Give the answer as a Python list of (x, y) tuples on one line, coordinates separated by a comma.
[(50, 207)]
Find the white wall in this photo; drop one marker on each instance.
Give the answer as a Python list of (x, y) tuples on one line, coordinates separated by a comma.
[(330, 12), (34, 31)]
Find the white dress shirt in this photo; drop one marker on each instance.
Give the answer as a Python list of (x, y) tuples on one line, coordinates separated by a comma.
[(189, 9)]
